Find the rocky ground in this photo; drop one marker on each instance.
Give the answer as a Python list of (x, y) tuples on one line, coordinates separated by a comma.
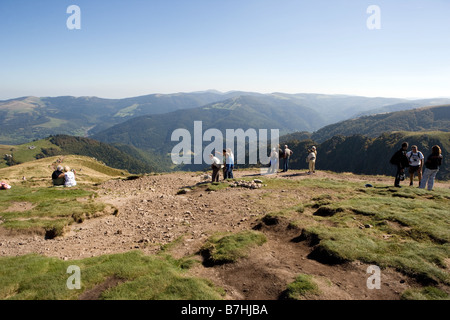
[(152, 212)]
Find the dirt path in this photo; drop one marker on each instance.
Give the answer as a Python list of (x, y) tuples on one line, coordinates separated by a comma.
[(151, 214)]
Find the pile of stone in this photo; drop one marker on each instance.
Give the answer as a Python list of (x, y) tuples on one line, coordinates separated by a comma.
[(255, 184)]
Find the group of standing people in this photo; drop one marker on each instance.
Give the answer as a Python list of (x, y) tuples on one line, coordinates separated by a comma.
[(286, 154), (227, 164), (414, 161), (280, 157), (64, 176)]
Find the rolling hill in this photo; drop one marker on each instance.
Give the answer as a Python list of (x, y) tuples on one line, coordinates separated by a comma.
[(365, 155), (119, 156), (31, 118), (288, 113), (153, 133), (88, 170), (416, 120)]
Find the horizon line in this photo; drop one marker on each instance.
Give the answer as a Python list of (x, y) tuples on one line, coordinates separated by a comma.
[(224, 93)]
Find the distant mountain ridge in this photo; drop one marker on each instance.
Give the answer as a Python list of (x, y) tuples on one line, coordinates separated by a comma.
[(153, 132), (29, 118), (416, 120)]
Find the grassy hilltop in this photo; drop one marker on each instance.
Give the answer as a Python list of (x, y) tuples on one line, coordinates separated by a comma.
[(331, 221)]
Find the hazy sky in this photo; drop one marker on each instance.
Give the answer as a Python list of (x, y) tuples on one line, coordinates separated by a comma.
[(130, 48)]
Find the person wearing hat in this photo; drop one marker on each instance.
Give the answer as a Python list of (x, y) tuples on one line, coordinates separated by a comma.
[(286, 156), (311, 159)]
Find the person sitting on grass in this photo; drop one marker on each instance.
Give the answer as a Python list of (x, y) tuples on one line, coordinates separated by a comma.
[(69, 177), (4, 185), (58, 176)]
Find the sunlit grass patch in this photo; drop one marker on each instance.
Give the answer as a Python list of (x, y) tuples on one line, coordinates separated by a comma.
[(301, 288), (427, 293), (51, 208), (229, 247), (407, 229), (142, 277)]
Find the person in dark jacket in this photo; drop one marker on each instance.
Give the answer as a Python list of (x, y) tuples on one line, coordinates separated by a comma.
[(58, 176), (400, 160), (432, 165)]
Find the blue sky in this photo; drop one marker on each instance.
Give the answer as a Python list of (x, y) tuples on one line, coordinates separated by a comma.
[(131, 48)]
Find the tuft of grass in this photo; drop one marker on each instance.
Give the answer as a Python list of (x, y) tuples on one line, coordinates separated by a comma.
[(35, 277), (426, 293), (302, 287), (229, 247), (217, 186)]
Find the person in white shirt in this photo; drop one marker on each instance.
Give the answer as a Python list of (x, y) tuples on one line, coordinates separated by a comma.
[(229, 163), (286, 156), (273, 161), (69, 177), (311, 159), (415, 158), (216, 165)]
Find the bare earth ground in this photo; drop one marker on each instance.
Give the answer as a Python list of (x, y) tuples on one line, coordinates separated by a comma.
[(151, 214)]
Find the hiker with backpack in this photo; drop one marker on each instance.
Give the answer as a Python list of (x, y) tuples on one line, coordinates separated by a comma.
[(286, 156), (400, 160), (415, 158), (432, 165)]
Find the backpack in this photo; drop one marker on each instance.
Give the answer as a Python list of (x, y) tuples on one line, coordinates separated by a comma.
[(394, 159), (415, 156)]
